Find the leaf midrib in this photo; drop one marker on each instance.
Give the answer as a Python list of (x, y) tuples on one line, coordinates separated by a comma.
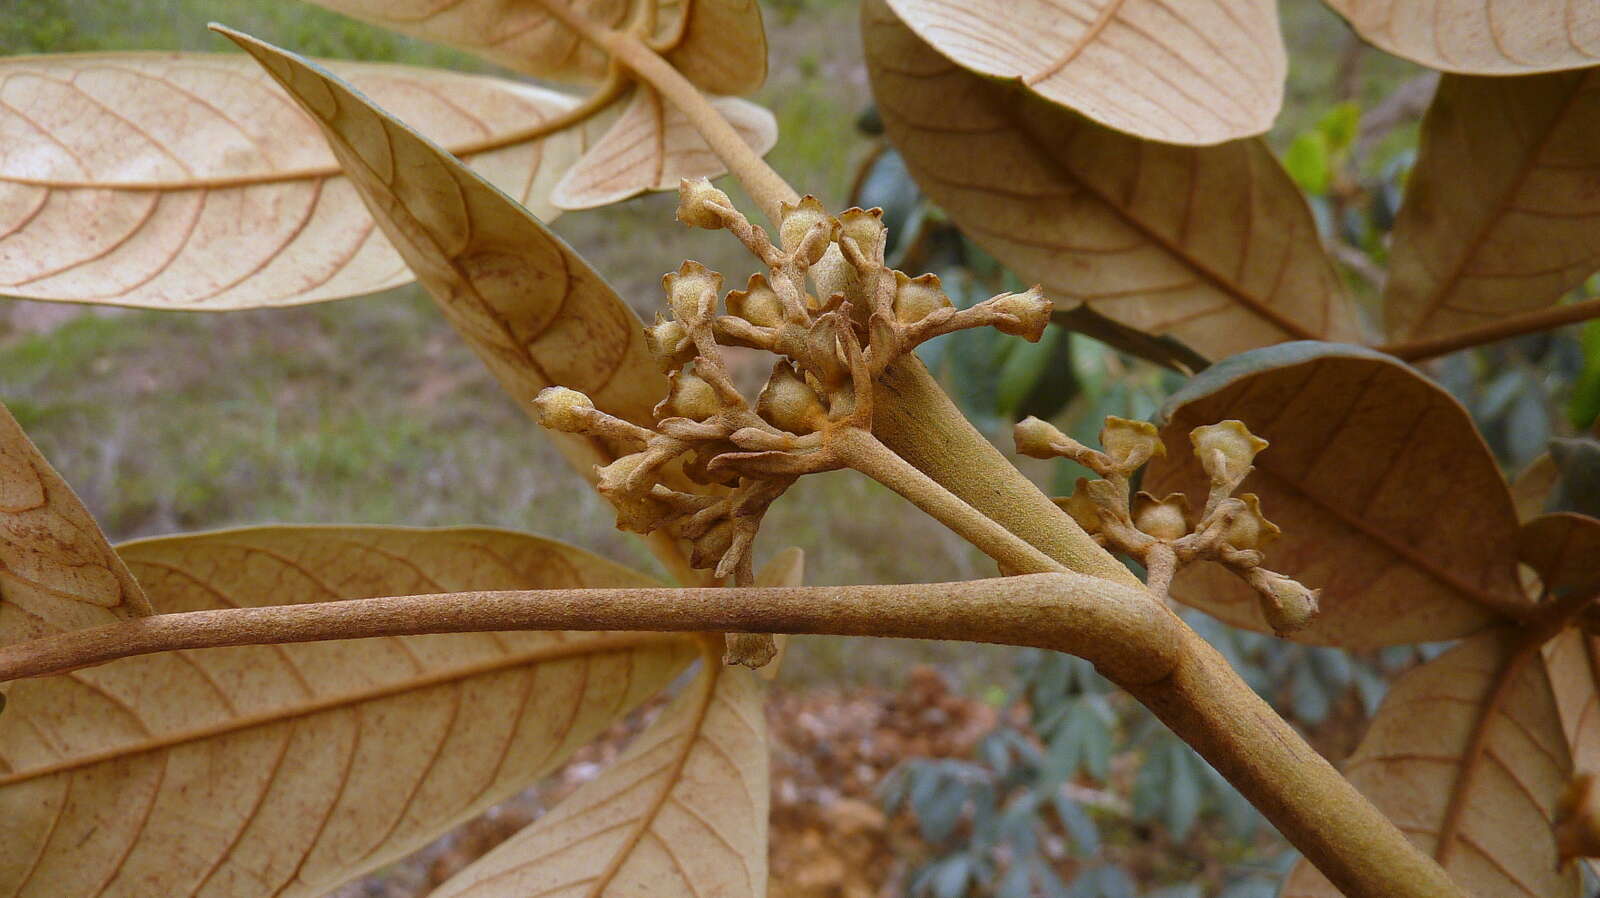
[(598, 645)]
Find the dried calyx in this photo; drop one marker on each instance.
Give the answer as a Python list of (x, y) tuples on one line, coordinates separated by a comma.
[(1165, 534), (834, 314)]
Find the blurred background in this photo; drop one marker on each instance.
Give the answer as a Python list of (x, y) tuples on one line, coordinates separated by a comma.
[(901, 767)]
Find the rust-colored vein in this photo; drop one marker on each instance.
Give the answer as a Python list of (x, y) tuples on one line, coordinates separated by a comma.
[(1259, 308), (250, 815), (711, 671), (1502, 204), (1106, 14), (1477, 744), (579, 113), (617, 642)]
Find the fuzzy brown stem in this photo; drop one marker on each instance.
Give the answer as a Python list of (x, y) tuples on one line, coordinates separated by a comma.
[(862, 451), (766, 186), (1332, 824), (913, 416), (1127, 636), (1504, 329)]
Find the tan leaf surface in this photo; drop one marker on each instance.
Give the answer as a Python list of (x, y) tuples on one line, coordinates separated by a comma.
[(1466, 756), (652, 146), (1531, 489), (190, 181), (1527, 230), (1368, 461), (285, 770), (1485, 37), (720, 45), (682, 814), (530, 306), (57, 572), (1214, 245), (1199, 72), (1565, 549)]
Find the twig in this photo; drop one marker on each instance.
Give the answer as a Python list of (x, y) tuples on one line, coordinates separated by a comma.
[(1128, 637), (1504, 329)]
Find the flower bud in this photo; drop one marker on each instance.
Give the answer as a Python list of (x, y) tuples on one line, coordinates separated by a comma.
[(1250, 529), (1037, 439), (1164, 518), (635, 513), (916, 298), (565, 410), (798, 220), (866, 228), (788, 403), (692, 290), (698, 202), (832, 275), (689, 396), (1232, 442), (1030, 312), (758, 303), (1130, 443), (1287, 605), (668, 340)]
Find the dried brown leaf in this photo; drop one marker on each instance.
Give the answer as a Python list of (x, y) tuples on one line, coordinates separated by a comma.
[(1527, 229), (188, 180), (1485, 37), (1368, 463), (683, 812), (720, 45), (533, 309), (285, 770), (1199, 72), (57, 572), (653, 146), (1213, 245), (1467, 757)]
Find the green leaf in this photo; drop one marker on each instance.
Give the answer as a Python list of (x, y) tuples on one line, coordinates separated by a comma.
[(1307, 162)]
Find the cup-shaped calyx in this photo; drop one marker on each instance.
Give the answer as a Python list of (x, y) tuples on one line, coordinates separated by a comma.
[(835, 316), (1167, 533)]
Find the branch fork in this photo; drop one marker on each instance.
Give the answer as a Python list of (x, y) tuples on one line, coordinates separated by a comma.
[(835, 315)]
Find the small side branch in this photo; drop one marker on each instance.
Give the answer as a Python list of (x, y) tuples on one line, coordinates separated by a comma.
[(1127, 635), (1504, 329)]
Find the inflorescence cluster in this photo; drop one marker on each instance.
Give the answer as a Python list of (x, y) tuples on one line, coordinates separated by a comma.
[(1165, 534), (836, 316)]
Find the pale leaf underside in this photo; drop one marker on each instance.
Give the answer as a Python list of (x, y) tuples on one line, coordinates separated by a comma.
[(681, 814), (1198, 72), (1526, 230), (285, 770), (57, 572), (530, 306), (190, 181), (1486, 37), (652, 146), (1466, 756), (1213, 245), (718, 44), (1367, 458)]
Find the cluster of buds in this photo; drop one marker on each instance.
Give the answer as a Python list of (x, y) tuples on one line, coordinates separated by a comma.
[(833, 313), (1165, 534)]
